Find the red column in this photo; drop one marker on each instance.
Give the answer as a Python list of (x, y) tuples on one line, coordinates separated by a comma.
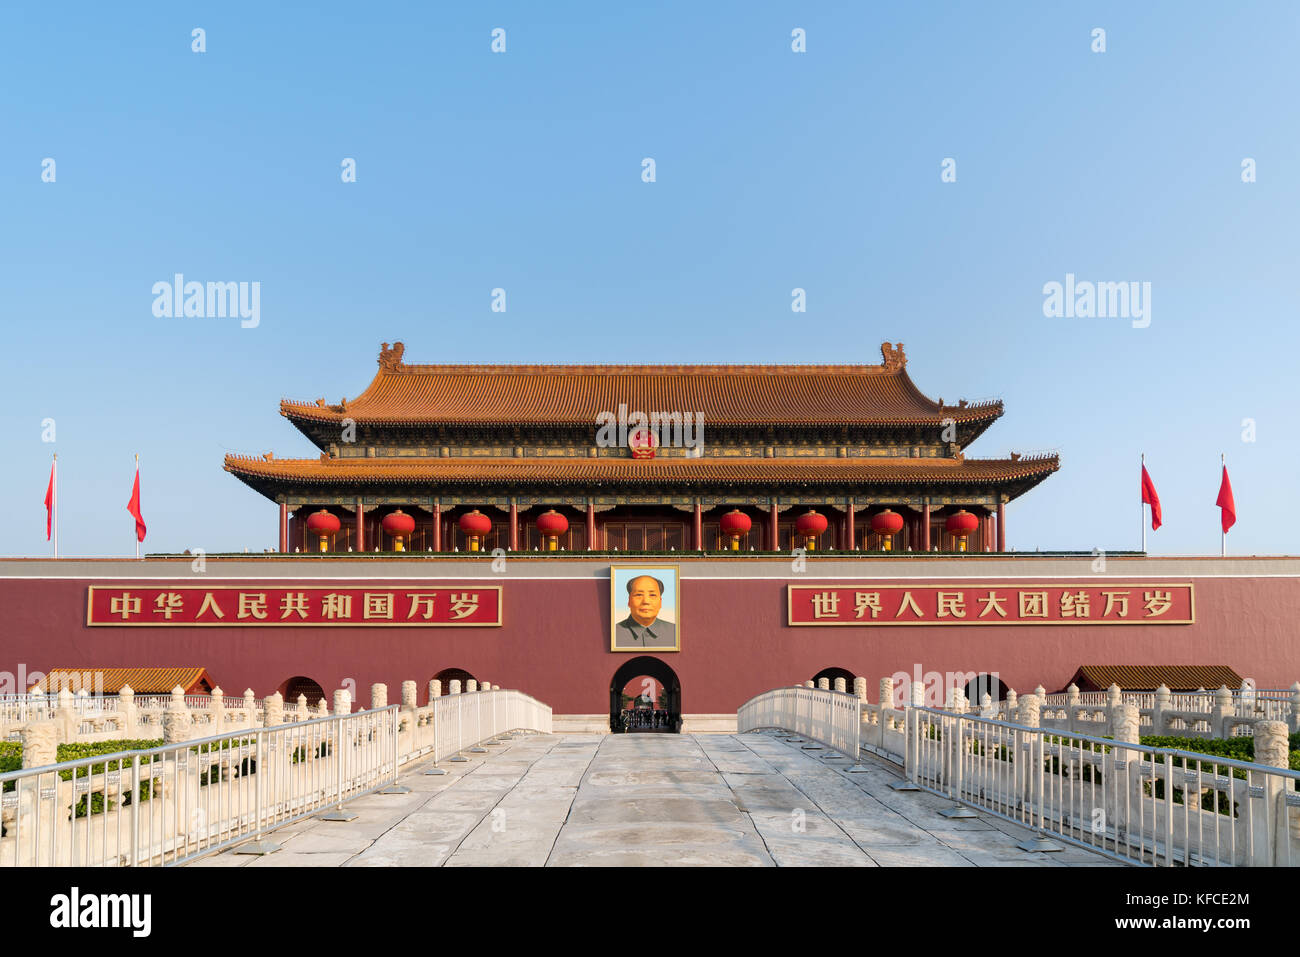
[(1002, 529), (437, 528), (925, 527), (284, 527), (361, 527), (699, 527), (848, 528), (773, 530), (591, 526), (514, 526)]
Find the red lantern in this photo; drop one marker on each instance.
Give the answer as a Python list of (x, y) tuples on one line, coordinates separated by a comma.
[(324, 524), (735, 524), (886, 524), (961, 524), (552, 525), (398, 524), (810, 524), (475, 525)]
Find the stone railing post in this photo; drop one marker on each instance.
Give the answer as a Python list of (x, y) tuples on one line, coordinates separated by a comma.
[(378, 696), (1163, 703), (884, 718), (1294, 717), (1012, 705), (810, 683), (1122, 764), (40, 744), (1224, 712), (128, 716), (471, 685), (272, 710), (1114, 696), (987, 708), (841, 684), (342, 702), (40, 748), (176, 719), (823, 684), (322, 708), (250, 709), (1072, 702), (860, 689), (1028, 757), (66, 719), (1273, 830), (435, 690), (217, 710), (303, 713), (410, 738)]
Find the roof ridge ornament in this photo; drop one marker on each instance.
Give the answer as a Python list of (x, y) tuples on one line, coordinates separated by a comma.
[(390, 360), (895, 358)]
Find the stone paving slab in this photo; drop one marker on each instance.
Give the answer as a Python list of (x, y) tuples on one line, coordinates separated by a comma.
[(748, 800)]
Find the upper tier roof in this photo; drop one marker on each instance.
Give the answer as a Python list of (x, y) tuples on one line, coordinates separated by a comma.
[(401, 394)]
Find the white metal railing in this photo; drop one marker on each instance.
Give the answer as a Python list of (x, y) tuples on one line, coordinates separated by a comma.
[(1138, 803), (1133, 802), (173, 803), (831, 718)]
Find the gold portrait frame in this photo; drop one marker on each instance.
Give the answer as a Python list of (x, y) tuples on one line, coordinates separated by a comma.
[(618, 611)]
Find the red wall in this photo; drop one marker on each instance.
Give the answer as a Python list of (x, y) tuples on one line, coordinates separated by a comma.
[(555, 639)]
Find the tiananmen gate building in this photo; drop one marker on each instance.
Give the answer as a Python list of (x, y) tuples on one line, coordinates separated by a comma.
[(672, 539), (834, 446)]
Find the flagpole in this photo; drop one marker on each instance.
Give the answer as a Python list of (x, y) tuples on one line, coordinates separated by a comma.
[(1143, 509), (136, 534), (1223, 536), (54, 504)]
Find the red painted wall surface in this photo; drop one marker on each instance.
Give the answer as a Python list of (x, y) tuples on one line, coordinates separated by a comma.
[(555, 639)]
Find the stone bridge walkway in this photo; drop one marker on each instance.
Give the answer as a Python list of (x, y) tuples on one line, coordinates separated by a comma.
[(639, 799)]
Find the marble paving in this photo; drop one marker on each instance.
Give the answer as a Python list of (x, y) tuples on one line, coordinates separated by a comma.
[(744, 800)]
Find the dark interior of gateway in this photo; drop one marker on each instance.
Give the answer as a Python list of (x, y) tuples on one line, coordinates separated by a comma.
[(653, 705)]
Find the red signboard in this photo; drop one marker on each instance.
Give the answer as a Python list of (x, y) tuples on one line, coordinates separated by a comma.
[(1035, 603), (416, 604)]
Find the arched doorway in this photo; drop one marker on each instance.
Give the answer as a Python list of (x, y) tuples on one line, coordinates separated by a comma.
[(830, 674), (448, 675), (981, 685), (302, 685), (645, 695)]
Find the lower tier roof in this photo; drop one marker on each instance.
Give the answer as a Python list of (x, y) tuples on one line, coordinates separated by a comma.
[(265, 474)]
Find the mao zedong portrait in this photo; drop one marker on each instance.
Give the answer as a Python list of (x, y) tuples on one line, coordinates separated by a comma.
[(642, 628)]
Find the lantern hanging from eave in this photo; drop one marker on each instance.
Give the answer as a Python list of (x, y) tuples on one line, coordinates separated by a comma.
[(887, 524), (960, 524), (399, 525), (734, 525), (323, 524), (810, 524), (552, 525), (475, 525)]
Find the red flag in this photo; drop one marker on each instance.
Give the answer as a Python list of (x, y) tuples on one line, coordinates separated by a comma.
[(133, 507), (49, 505), (1225, 502), (1149, 497)]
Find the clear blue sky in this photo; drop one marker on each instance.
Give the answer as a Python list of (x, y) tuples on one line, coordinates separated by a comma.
[(775, 170)]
